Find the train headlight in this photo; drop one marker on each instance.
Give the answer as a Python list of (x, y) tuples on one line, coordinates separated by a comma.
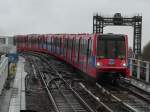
[(124, 65), (98, 64)]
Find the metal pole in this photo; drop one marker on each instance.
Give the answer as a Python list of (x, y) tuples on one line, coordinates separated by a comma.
[(138, 69), (131, 66), (147, 71)]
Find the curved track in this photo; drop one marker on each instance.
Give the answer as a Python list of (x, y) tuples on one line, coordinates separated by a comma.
[(62, 96), (68, 92)]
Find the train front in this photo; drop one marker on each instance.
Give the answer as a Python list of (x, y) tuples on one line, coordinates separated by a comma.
[(111, 56)]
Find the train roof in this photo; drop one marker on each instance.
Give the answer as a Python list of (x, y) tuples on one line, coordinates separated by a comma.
[(112, 34)]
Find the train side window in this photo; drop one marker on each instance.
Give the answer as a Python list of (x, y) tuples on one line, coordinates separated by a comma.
[(85, 47), (89, 51), (74, 44), (47, 43), (60, 46), (81, 46), (52, 43), (55, 44), (69, 44), (65, 43), (58, 42), (69, 48), (77, 48)]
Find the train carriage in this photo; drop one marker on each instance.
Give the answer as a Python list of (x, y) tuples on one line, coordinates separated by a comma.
[(97, 56), (49, 42), (76, 49), (112, 56)]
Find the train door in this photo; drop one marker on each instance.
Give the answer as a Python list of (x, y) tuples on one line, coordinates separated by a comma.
[(81, 53), (70, 49), (46, 48), (52, 43), (41, 46), (39, 42), (66, 48), (42, 42), (48, 43), (22, 41), (36, 41), (89, 51), (55, 45), (29, 40), (60, 45), (73, 49), (26, 42), (33, 42), (85, 45), (77, 51)]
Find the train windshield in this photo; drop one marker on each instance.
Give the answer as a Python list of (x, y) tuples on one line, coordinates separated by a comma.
[(111, 46)]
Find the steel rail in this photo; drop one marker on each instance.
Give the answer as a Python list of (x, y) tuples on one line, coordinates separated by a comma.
[(96, 98), (75, 93), (145, 96), (48, 91), (116, 98), (123, 104)]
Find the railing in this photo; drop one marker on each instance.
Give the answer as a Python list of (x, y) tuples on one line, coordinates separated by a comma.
[(140, 69), (3, 72)]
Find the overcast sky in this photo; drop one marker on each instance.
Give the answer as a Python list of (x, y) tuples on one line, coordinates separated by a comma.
[(68, 16)]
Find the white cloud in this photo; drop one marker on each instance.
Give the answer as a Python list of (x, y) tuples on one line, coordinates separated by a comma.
[(70, 16)]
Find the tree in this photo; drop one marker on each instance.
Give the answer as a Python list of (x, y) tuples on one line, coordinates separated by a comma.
[(146, 52)]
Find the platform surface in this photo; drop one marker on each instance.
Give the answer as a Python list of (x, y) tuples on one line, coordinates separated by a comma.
[(17, 101), (13, 99)]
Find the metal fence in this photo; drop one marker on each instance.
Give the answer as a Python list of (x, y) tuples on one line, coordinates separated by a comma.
[(3, 72), (140, 69)]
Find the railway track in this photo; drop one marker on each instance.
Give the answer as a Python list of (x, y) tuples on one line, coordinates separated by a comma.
[(62, 96), (36, 96), (136, 91), (59, 80), (142, 102)]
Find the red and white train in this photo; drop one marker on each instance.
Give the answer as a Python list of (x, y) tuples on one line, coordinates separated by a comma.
[(98, 56)]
